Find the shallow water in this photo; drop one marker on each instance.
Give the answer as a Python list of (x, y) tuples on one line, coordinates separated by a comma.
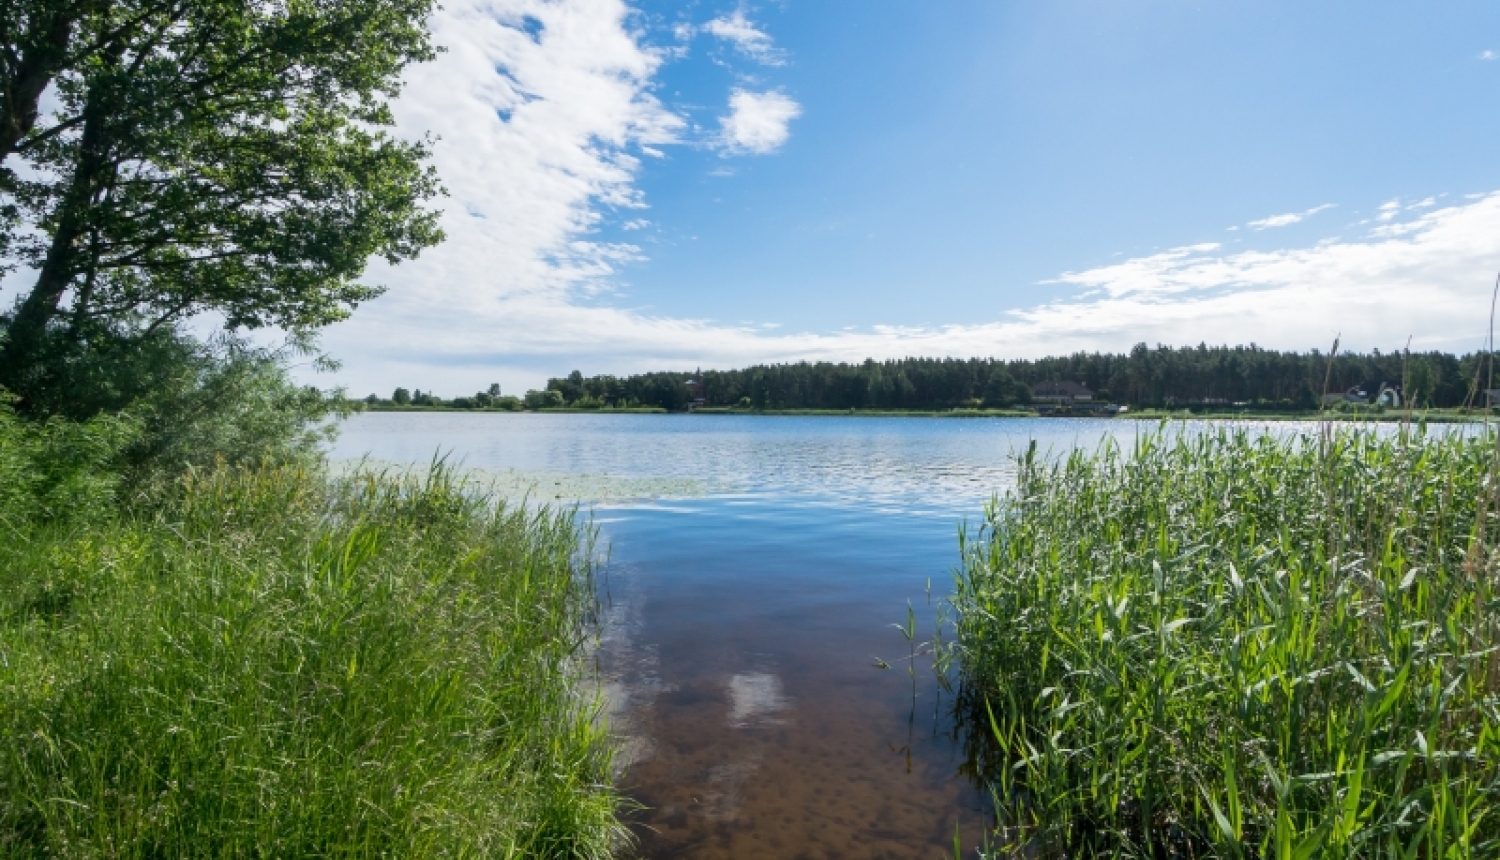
[(757, 565)]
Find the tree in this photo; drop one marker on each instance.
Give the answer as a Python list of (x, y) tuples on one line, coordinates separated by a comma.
[(401, 397), (549, 398), (206, 155), (1419, 382), (1002, 389)]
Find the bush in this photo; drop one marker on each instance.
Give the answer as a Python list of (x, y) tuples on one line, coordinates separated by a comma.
[(230, 403), (1232, 646), (192, 403), (58, 469), (548, 399), (276, 664)]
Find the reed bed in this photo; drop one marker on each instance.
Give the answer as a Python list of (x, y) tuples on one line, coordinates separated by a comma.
[(274, 663), (1223, 644)]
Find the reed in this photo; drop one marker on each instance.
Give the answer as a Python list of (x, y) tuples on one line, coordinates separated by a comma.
[(1222, 644), (274, 663)]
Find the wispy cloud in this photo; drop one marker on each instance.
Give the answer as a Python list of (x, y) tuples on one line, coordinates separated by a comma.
[(541, 110), (1488, 55), (1287, 219), (1431, 281), (757, 123), (538, 154), (752, 41)]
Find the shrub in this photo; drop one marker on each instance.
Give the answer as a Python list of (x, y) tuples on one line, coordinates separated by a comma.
[(548, 399), (59, 469)]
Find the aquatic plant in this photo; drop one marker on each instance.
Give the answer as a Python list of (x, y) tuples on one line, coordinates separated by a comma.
[(1223, 644), (275, 663)]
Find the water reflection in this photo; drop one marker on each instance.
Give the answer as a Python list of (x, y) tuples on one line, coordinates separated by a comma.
[(755, 572)]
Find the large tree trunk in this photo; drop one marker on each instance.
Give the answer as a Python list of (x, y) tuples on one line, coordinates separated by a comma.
[(28, 330), (42, 51)]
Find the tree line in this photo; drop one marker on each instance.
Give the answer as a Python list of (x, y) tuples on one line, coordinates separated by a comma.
[(1163, 376)]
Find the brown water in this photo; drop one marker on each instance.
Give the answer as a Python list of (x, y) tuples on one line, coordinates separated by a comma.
[(742, 646)]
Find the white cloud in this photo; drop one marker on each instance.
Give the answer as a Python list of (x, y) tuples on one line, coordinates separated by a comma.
[(1488, 55), (757, 122), (754, 699), (535, 157), (1287, 219), (1431, 282), (1388, 210), (537, 137), (749, 39), (635, 224)]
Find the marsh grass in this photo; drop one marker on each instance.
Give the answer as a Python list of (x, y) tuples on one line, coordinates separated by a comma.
[(273, 663), (1232, 645)]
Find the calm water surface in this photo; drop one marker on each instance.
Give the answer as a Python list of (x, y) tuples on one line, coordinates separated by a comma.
[(744, 621)]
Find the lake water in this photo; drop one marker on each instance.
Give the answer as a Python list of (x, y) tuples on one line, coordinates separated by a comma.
[(756, 567)]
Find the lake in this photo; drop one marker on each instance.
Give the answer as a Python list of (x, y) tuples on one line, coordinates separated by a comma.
[(756, 567)]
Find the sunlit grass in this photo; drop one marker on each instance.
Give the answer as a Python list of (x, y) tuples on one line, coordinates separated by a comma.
[(275, 664), (1230, 645)]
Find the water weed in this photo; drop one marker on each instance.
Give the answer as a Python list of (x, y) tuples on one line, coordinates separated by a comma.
[(1235, 645), (276, 663)]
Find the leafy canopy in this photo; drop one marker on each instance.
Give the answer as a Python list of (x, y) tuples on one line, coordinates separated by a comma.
[(221, 156)]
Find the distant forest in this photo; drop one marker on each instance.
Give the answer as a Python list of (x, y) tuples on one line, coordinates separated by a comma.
[(1145, 377)]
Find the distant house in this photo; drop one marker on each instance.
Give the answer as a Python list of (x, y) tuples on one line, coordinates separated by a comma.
[(1353, 395), (1383, 392), (1061, 393)]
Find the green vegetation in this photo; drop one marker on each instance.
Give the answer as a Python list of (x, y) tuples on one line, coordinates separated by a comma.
[(1225, 645), (1199, 378), (1342, 413), (269, 662), (209, 646), (214, 156), (402, 399), (872, 413)]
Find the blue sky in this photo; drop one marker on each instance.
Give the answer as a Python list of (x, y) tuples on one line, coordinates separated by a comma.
[(669, 185)]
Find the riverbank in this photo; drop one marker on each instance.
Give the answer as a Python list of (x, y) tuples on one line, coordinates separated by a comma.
[(1429, 416), (277, 662), (1425, 416), (623, 410)]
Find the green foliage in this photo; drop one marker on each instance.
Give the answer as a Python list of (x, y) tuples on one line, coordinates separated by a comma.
[(234, 404), (549, 399), (401, 397), (193, 404), (59, 470), (218, 155), (273, 663), (1163, 376), (1224, 645)]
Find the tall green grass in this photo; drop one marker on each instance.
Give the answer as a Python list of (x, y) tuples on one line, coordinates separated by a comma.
[(1231, 645), (274, 664)]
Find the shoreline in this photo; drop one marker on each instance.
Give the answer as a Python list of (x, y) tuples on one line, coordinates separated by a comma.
[(1428, 417)]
